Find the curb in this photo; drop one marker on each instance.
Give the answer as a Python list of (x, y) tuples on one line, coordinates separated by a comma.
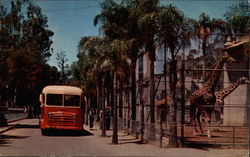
[(4, 129), (14, 120), (7, 128)]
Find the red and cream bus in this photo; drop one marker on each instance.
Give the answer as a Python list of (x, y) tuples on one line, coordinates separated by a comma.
[(61, 108)]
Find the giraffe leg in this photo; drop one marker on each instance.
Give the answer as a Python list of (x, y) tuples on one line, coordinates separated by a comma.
[(208, 130), (194, 125), (192, 118), (208, 121), (194, 129), (199, 122), (218, 119)]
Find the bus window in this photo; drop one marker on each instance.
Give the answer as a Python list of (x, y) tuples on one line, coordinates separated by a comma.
[(54, 99), (71, 100)]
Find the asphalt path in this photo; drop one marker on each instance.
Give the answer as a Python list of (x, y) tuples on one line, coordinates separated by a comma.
[(26, 140)]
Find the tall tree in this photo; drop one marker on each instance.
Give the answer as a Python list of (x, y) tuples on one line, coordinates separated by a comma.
[(124, 17), (205, 27), (90, 73), (237, 17), (25, 48), (63, 66), (174, 31), (147, 12), (111, 57)]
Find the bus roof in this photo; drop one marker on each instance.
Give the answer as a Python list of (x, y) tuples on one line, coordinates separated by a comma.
[(53, 89)]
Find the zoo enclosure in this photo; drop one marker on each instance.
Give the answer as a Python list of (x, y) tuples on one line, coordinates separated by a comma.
[(233, 134)]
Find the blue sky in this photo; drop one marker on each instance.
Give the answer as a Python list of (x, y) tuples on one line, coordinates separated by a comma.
[(72, 19), (69, 20)]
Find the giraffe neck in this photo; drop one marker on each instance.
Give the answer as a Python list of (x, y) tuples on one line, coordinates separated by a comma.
[(213, 80), (226, 91)]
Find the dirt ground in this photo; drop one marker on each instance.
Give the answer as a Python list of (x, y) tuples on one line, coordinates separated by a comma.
[(226, 136)]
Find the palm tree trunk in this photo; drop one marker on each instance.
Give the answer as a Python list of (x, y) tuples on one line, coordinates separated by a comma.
[(115, 128), (173, 142), (133, 88), (152, 93), (120, 99), (103, 108), (182, 99), (152, 101), (142, 111), (128, 111), (98, 104)]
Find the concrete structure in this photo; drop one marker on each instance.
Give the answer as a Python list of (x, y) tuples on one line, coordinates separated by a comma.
[(235, 114), (237, 103)]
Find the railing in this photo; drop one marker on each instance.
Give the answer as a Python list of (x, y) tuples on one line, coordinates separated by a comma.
[(226, 136), (13, 114)]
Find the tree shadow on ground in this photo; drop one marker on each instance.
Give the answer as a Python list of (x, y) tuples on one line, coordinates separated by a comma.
[(130, 141), (28, 126), (68, 133), (6, 140), (207, 146)]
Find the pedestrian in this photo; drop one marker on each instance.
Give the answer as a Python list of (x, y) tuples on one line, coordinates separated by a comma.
[(30, 112), (91, 117), (107, 115), (100, 117)]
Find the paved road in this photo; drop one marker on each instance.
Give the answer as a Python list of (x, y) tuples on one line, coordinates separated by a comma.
[(26, 140)]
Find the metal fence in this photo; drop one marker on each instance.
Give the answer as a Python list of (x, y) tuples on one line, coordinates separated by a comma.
[(233, 131)]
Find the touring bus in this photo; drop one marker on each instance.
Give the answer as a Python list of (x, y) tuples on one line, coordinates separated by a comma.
[(61, 108)]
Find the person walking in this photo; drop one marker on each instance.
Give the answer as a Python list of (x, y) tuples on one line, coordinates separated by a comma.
[(107, 115), (91, 118)]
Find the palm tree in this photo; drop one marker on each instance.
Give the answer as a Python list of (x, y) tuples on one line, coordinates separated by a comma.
[(90, 57), (146, 12), (115, 61), (121, 49), (237, 17), (109, 56), (174, 31), (238, 21), (205, 27), (124, 17)]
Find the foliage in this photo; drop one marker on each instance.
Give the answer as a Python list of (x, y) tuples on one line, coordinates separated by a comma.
[(174, 31), (237, 17), (63, 66), (135, 27), (25, 42)]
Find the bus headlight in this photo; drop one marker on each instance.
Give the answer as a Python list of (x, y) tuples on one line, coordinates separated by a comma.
[(74, 116), (50, 115)]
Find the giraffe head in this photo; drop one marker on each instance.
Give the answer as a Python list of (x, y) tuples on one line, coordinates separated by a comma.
[(244, 80), (227, 58)]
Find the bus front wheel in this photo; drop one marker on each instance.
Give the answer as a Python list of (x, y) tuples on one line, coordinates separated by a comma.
[(44, 132)]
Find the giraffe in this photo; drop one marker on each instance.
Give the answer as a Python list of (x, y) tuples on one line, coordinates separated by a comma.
[(204, 97), (168, 98), (222, 94)]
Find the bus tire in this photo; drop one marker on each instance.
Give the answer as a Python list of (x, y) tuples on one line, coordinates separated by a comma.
[(44, 132)]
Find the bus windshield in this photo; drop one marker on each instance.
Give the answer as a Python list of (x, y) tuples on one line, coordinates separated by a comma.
[(54, 99), (57, 100), (71, 100)]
